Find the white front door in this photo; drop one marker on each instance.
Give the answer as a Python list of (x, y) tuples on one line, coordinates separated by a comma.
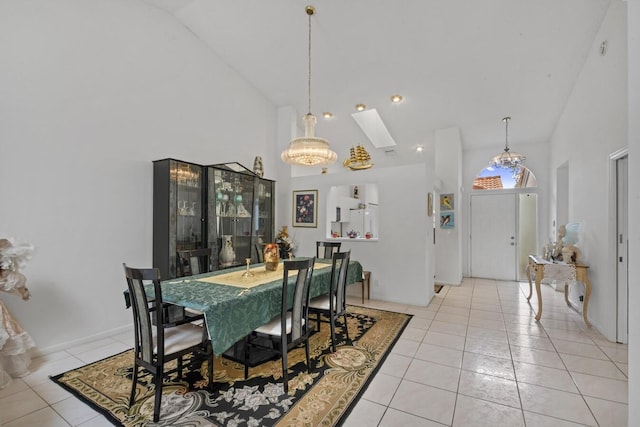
[(493, 236)]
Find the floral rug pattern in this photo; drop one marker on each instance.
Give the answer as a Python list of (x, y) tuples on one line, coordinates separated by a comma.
[(323, 395)]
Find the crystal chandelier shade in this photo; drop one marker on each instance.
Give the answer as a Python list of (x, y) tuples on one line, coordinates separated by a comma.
[(309, 150), (507, 159)]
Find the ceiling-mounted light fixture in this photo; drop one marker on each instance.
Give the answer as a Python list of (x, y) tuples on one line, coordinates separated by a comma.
[(507, 159), (309, 150), (361, 107), (396, 98), (359, 159), (327, 114)]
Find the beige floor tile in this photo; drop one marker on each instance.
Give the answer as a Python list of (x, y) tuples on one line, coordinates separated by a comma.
[(51, 392), (478, 314), (580, 349), (40, 372), (395, 365), (531, 341), (456, 311), (526, 329), (451, 318), (74, 411), (486, 387), (617, 354), (97, 421), (555, 403), (413, 334), (433, 374), (394, 418), (43, 417), (382, 388), (437, 354), (422, 313), (448, 328), (444, 340), (536, 357), (419, 323), (489, 348), (405, 347), (587, 365), (488, 365), (539, 420), (424, 401), (603, 388), (480, 413), (608, 413), (20, 404), (543, 376), (16, 386), (365, 413), (487, 334), (624, 367)]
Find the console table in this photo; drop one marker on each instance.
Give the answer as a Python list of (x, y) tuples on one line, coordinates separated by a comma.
[(560, 272)]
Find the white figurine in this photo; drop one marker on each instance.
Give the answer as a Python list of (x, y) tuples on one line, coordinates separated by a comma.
[(15, 342)]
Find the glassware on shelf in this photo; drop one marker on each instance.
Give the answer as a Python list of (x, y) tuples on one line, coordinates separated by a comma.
[(248, 273)]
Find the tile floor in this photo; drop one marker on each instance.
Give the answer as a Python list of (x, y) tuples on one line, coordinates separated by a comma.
[(474, 357)]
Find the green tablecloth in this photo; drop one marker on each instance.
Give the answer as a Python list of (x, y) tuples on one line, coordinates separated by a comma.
[(232, 312)]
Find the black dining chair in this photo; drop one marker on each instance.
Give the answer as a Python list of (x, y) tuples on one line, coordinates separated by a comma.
[(194, 261), (292, 327), (259, 248), (327, 249), (333, 305), (156, 344)]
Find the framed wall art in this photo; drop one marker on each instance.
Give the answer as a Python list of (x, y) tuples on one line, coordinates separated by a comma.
[(305, 208)]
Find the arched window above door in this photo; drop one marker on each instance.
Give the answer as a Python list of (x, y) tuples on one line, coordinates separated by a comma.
[(491, 178)]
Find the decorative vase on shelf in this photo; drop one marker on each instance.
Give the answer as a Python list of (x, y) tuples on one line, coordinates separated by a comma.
[(271, 256), (258, 168), (227, 253)]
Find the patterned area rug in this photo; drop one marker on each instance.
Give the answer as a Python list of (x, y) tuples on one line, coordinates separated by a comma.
[(323, 396)]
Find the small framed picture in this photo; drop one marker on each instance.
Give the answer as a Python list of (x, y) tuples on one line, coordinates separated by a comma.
[(305, 208)]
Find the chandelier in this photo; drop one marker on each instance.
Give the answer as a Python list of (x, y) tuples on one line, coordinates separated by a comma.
[(358, 159), (507, 159), (309, 150)]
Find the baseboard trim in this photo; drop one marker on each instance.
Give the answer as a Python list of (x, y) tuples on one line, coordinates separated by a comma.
[(37, 352)]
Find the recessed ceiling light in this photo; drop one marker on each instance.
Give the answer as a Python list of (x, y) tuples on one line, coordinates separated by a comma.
[(360, 107), (396, 98), (327, 114), (419, 148)]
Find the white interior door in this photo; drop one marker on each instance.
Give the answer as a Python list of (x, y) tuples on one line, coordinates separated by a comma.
[(493, 236), (623, 245)]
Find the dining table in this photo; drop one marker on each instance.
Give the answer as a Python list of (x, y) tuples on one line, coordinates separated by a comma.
[(234, 305)]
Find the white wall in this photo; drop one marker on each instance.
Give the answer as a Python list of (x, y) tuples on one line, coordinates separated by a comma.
[(634, 208), (92, 92), (594, 125), (400, 261), (448, 169)]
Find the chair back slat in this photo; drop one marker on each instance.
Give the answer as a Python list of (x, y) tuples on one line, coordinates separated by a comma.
[(327, 249), (142, 308), (300, 303), (198, 261), (340, 265)]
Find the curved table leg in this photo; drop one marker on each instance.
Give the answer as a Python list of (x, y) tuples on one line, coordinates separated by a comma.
[(539, 293), (566, 293), (529, 276), (585, 305)]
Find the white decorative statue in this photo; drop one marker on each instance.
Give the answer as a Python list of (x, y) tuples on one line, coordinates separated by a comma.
[(15, 342)]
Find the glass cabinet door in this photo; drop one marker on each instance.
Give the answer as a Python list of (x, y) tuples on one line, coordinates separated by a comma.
[(262, 216), (230, 213), (178, 221)]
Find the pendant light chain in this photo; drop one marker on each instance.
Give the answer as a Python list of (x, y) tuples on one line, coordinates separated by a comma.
[(310, 12), (506, 133)]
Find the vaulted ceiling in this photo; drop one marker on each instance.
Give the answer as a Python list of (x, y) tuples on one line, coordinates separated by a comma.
[(457, 63)]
